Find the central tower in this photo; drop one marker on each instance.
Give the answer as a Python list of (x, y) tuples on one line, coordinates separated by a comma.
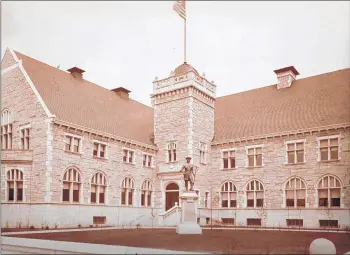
[(183, 120)]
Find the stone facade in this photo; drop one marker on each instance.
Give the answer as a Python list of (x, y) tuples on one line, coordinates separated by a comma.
[(184, 107)]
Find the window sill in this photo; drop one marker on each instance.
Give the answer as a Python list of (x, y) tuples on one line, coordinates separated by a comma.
[(97, 157), (228, 169), (329, 161), (74, 153), (148, 167), (252, 167), (294, 164), (172, 162), (133, 164)]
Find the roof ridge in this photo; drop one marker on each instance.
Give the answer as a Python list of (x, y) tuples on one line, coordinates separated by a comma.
[(309, 77)]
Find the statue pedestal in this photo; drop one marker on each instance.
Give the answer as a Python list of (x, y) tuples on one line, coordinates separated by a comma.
[(188, 224)]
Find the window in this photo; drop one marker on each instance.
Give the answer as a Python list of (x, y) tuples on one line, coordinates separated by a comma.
[(253, 222), (73, 143), (228, 159), (71, 186), (147, 160), (129, 156), (329, 190), (98, 188), (228, 195), (146, 193), (100, 150), (171, 152), (202, 153), (228, 221), (255, 194), (294, 222), (329, 148), (295, 192), (128, 188), (328, 223), (14, 185), (25, 138), (6, 130), (295, 152), (99, 219), (206, 199), (254, 156)]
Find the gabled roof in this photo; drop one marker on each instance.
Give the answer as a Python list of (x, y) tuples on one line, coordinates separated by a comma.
[(86, 104), (311, 102)]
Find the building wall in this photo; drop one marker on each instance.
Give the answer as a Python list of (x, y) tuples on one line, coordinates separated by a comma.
[(19, 98), (113, 166), (275, 172)]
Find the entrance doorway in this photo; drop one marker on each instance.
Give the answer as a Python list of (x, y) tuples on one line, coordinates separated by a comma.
[(171, 195)]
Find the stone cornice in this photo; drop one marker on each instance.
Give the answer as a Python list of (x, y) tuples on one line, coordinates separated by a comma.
[(281, 134), (110, 137)]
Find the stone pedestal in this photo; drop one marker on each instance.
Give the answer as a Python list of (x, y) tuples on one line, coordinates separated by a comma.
[(188, 223)]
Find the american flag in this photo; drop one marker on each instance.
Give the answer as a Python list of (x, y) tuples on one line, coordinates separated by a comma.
[(180, 8)]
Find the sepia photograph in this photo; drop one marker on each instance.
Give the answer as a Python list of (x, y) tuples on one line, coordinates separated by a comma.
[(175, 127)]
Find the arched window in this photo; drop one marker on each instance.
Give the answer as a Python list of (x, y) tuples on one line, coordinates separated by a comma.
[(6, 130), (146, 193), (228, 195), (329, 190), (98, 188), (14, 180), (255, 194), (171, 152), (71, 185), (295, 192), (128, 189)]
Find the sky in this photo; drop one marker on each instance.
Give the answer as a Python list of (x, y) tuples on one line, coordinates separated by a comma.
[(236, 44)]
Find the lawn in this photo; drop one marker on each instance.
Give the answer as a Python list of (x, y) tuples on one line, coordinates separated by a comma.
[(211, 241)]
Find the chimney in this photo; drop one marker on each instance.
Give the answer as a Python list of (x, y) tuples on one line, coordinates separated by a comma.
[(286, 76), (76, 72), (122, 92)]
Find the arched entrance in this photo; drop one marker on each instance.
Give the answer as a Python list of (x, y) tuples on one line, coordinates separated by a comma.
[(171, 195)]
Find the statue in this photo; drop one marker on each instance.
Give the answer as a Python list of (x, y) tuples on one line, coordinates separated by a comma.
[(188, 172)]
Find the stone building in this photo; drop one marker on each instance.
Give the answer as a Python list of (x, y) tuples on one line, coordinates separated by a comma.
[(74, 153)]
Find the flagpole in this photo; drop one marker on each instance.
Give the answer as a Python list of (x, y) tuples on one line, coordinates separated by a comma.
[(185, 42)]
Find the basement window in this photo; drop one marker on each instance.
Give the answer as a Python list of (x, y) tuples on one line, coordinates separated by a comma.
[(294, 223), (328, 223), (253, 222), (228, 221), (99, 219)]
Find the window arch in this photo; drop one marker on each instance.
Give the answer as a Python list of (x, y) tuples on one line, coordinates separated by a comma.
[(228, 195), (72, 182), (128, 189), (98, 188), (14, 178), (146, 193), (329, 190), (6, 130), (171, 151), (295, 192), (255, 194)]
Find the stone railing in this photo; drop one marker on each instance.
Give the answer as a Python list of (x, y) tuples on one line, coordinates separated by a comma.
[(16, 156)]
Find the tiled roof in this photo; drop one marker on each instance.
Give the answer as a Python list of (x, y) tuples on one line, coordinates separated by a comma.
[(316, 101), (86, 104)]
